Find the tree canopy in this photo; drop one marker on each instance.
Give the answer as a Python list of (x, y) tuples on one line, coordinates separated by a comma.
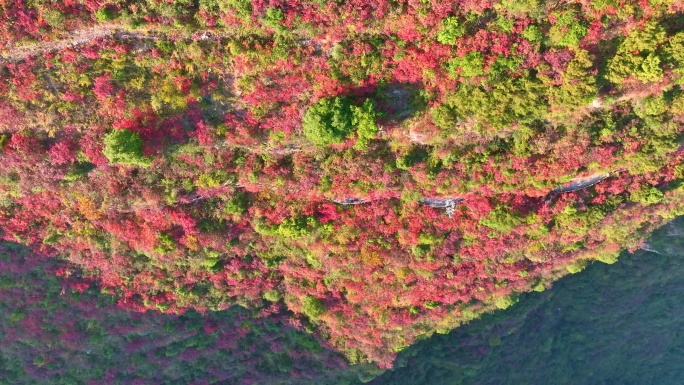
[(370, 172)]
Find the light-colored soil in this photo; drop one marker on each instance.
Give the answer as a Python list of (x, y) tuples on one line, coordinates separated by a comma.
[(75, 38), (83, 36), (581, 183)]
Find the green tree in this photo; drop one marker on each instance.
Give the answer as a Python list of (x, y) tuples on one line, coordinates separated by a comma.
[(579, 85), (637, 56), (647, 195), (568, 30), (313, 307), (506, 102), (533, 33), (531, 8), (272, 295), (273, 17), (103, 15), (450, 31), (330, 121), (363, 118), (472, 64), (125, 147), (501, 220), (674, 52)]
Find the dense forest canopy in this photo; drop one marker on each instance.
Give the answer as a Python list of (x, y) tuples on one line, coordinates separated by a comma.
[(371, 172)]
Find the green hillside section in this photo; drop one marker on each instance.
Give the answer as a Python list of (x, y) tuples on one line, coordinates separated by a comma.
[(62, 331)]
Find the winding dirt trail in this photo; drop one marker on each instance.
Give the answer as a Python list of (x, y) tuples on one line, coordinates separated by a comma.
[(86, 35), (74, 38), (581, 183)]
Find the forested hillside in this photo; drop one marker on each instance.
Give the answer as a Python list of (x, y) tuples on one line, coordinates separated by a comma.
[(63, 331), (610, 325), (369, 172)]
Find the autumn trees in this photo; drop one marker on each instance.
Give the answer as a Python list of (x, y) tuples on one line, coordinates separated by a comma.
[(215, 161)]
